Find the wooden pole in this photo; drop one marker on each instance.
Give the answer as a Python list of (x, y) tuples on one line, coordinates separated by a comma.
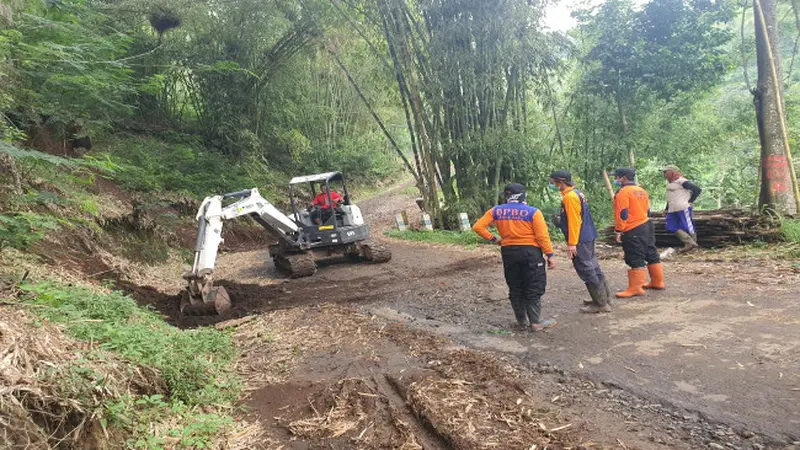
[(779, 100)]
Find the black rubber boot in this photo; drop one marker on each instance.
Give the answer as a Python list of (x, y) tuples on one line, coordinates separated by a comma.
[(600, 301), (689, 242), (607, 290)]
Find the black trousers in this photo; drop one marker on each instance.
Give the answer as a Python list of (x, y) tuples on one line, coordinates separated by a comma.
[(639, 245), (526, 277), (321, 214), (586, 265)]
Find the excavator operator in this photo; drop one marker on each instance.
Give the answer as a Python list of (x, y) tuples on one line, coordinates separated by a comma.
[(321, 207)]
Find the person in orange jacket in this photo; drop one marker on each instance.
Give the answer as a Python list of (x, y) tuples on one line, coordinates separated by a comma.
[(636, 232), (524, 242), (576, 222)]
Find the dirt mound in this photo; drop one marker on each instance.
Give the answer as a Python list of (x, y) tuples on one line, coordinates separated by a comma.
[(53, 388), (329, 377)]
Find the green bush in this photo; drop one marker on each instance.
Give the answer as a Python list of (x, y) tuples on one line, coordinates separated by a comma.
[(791, 230), (194, 363), (23, 229), (182, 165)]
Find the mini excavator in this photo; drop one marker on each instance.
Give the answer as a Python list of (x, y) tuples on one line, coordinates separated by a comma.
[(299, 238)]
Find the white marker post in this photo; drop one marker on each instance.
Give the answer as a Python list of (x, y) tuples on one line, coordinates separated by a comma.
[(464, 221), (401, 224), (426, 220)]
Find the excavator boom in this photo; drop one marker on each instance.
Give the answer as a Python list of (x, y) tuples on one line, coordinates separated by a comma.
[(202, 297)]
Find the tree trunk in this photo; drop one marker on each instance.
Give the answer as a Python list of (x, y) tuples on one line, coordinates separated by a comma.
[(777, 186), (623, 119)]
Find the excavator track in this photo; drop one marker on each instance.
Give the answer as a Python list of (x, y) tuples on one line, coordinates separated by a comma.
[(296, 265), (375, 253)]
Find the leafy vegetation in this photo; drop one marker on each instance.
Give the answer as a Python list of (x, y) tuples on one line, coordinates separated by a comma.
[(465, 95), (791, 230), (21, 230), (195, 364)]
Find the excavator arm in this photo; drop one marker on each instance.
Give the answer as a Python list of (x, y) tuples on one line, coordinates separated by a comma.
[(201, 296)]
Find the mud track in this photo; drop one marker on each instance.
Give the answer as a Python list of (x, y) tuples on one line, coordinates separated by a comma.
[(393, 354)]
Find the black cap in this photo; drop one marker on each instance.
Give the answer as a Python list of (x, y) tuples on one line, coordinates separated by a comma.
[(626, 172), (514, 192), (563, 176), (514, 188)]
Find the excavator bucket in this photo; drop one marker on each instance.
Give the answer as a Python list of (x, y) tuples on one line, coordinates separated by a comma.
[(211, 301)]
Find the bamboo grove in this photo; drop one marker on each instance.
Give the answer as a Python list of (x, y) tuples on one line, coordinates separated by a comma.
[(463, 95)]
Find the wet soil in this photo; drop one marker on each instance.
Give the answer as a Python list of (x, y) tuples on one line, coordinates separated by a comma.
[(418, 353)]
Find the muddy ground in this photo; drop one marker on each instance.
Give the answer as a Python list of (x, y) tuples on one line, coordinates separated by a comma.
[(417, 353)]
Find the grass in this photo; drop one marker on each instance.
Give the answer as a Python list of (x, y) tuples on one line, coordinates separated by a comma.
[(196, 365), (466, 239), (790, 228)]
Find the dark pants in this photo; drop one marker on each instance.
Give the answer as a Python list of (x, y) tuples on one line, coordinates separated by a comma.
[(586, 264), (639, 245), (526, 277), (321, 215)]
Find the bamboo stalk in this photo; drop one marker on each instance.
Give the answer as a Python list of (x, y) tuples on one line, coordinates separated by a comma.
[(372, 112), (607, 181)]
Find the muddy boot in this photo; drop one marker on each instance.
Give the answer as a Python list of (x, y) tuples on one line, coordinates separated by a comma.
[(594, 309), (520, 326), (609, 297), (519, 312), (636, 279), (543, 324), (689, 242), (656, 277), (600, 303)]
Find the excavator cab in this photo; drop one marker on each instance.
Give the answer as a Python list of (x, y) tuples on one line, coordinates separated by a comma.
[(334, 220)]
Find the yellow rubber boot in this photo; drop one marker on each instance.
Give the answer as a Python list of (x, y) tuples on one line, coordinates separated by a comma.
[(656, 277), (636, 279)]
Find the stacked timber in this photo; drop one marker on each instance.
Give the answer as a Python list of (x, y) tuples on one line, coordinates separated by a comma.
[(717, 228)]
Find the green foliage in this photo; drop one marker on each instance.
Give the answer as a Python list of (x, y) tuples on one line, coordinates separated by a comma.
[(87, 165), (66, 66), (194, 363), (180, 165), (196, 366), (646, 50), (790, 229), (194, 429), (23, 229), (59, 198)]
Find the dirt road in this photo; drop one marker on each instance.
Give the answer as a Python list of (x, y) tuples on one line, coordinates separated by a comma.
[(712, 362)]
